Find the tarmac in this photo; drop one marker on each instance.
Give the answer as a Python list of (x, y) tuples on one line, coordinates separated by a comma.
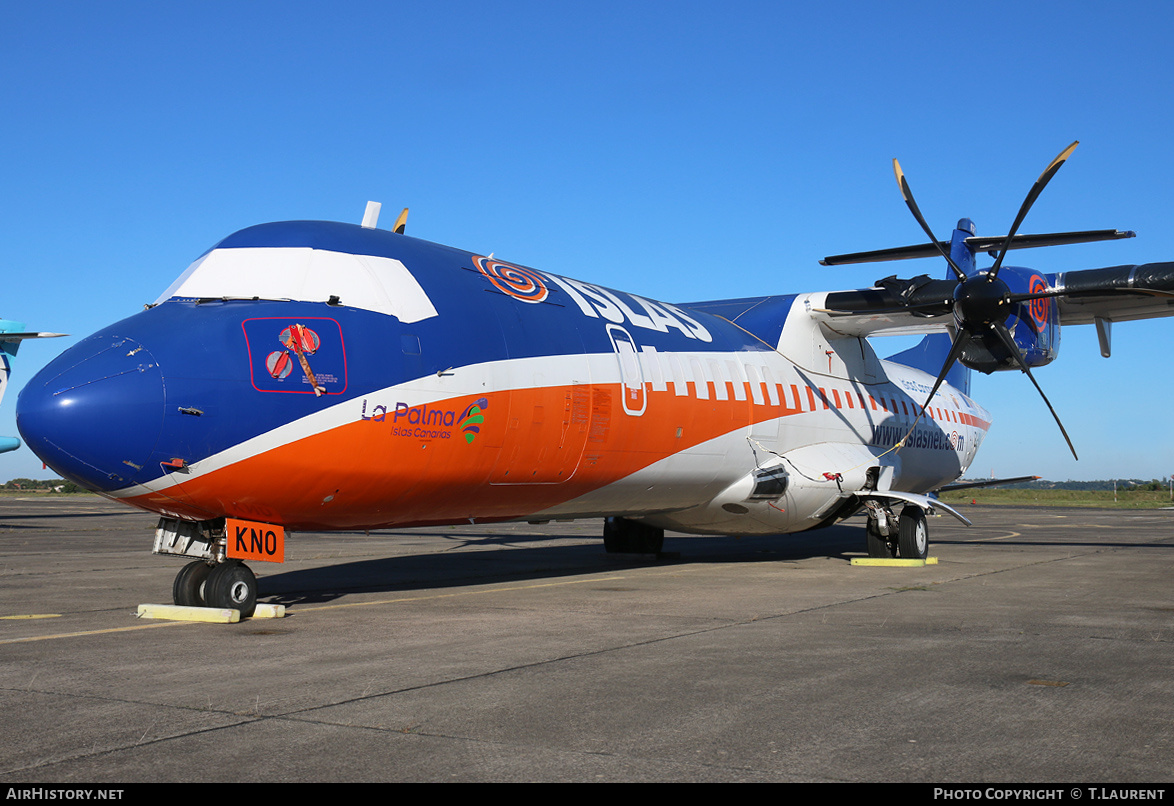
[(1039, 649)]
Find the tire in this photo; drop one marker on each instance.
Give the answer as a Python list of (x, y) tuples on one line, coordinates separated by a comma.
[(878, 544), (232, 585), (622, 536), (188, 588), (913, 535), (614, 541), (649, 539)]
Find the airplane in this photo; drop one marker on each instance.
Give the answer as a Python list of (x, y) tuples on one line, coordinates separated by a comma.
[(11, 335), (312, 375)]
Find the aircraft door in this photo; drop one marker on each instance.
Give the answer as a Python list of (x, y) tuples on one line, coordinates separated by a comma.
[(631, 373), (547, 433)]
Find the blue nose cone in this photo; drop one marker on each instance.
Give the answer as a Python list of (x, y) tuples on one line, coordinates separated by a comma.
[(95, 413)]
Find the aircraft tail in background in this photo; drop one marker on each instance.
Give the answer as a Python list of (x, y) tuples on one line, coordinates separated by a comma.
[(11, 335)]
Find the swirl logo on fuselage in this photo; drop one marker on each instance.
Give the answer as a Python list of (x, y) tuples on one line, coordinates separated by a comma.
[(594, 301), (519, 283), (1038, 307), (471, 419)]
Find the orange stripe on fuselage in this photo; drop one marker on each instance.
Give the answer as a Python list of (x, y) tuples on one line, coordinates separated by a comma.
[(535, 449)]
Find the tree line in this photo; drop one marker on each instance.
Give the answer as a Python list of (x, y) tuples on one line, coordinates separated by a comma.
[(42, 486)]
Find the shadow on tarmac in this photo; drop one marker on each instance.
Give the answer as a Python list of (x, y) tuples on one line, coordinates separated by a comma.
[(452, 568)]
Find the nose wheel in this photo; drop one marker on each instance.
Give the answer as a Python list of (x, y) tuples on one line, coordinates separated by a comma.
[(230, 585), (188, 588)]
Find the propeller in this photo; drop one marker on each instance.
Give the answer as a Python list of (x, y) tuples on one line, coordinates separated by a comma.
[(982, 302)]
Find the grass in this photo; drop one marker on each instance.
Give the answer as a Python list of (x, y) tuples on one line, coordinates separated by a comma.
[(1106, 499), (41, 491), (983, 496)]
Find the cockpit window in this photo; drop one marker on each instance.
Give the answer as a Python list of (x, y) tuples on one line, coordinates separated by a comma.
[(379, 284)]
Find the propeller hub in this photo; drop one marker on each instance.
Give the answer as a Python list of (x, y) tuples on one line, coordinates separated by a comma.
[(979, 301)]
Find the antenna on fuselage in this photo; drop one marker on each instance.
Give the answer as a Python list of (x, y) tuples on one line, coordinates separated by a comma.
[(371, 215), (371, 218)]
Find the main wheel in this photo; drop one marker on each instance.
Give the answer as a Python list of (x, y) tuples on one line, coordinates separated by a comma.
[(622, 536), (232, 585), (912, 535), (878, 544), (188, 588)]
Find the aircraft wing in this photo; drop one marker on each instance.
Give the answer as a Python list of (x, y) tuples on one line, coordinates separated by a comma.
[(893, 307), (967, 485), (924, 305), (30, 334), (1117, 293)]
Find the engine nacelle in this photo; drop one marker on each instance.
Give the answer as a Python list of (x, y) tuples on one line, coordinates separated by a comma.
[(1034, 324)]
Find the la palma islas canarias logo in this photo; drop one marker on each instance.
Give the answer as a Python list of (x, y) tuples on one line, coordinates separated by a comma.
[(428, 422)]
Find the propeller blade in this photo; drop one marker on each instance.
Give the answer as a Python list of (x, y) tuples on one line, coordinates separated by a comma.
[(1032, 195), (1063, 292), (1009, 343), (907, 195), (1017, 298), (401, 223)]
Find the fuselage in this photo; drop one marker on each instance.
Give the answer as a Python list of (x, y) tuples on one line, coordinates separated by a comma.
[(327, 376)]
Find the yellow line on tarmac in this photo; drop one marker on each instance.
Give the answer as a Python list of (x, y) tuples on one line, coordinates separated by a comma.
[(94, 632), (399, 600), (1007, 536)]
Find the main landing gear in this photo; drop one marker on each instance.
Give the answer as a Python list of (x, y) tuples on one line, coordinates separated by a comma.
[(906, 537), (622, 536)]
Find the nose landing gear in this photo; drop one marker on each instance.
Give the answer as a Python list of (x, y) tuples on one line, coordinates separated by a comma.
[(213, 579), (188, 588), (231, 585)]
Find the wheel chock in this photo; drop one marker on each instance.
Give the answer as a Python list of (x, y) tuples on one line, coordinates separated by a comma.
[(269, 611), (894, 562), (215, 615)]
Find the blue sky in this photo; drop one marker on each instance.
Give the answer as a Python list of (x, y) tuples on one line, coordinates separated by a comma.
[(680, 151)]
